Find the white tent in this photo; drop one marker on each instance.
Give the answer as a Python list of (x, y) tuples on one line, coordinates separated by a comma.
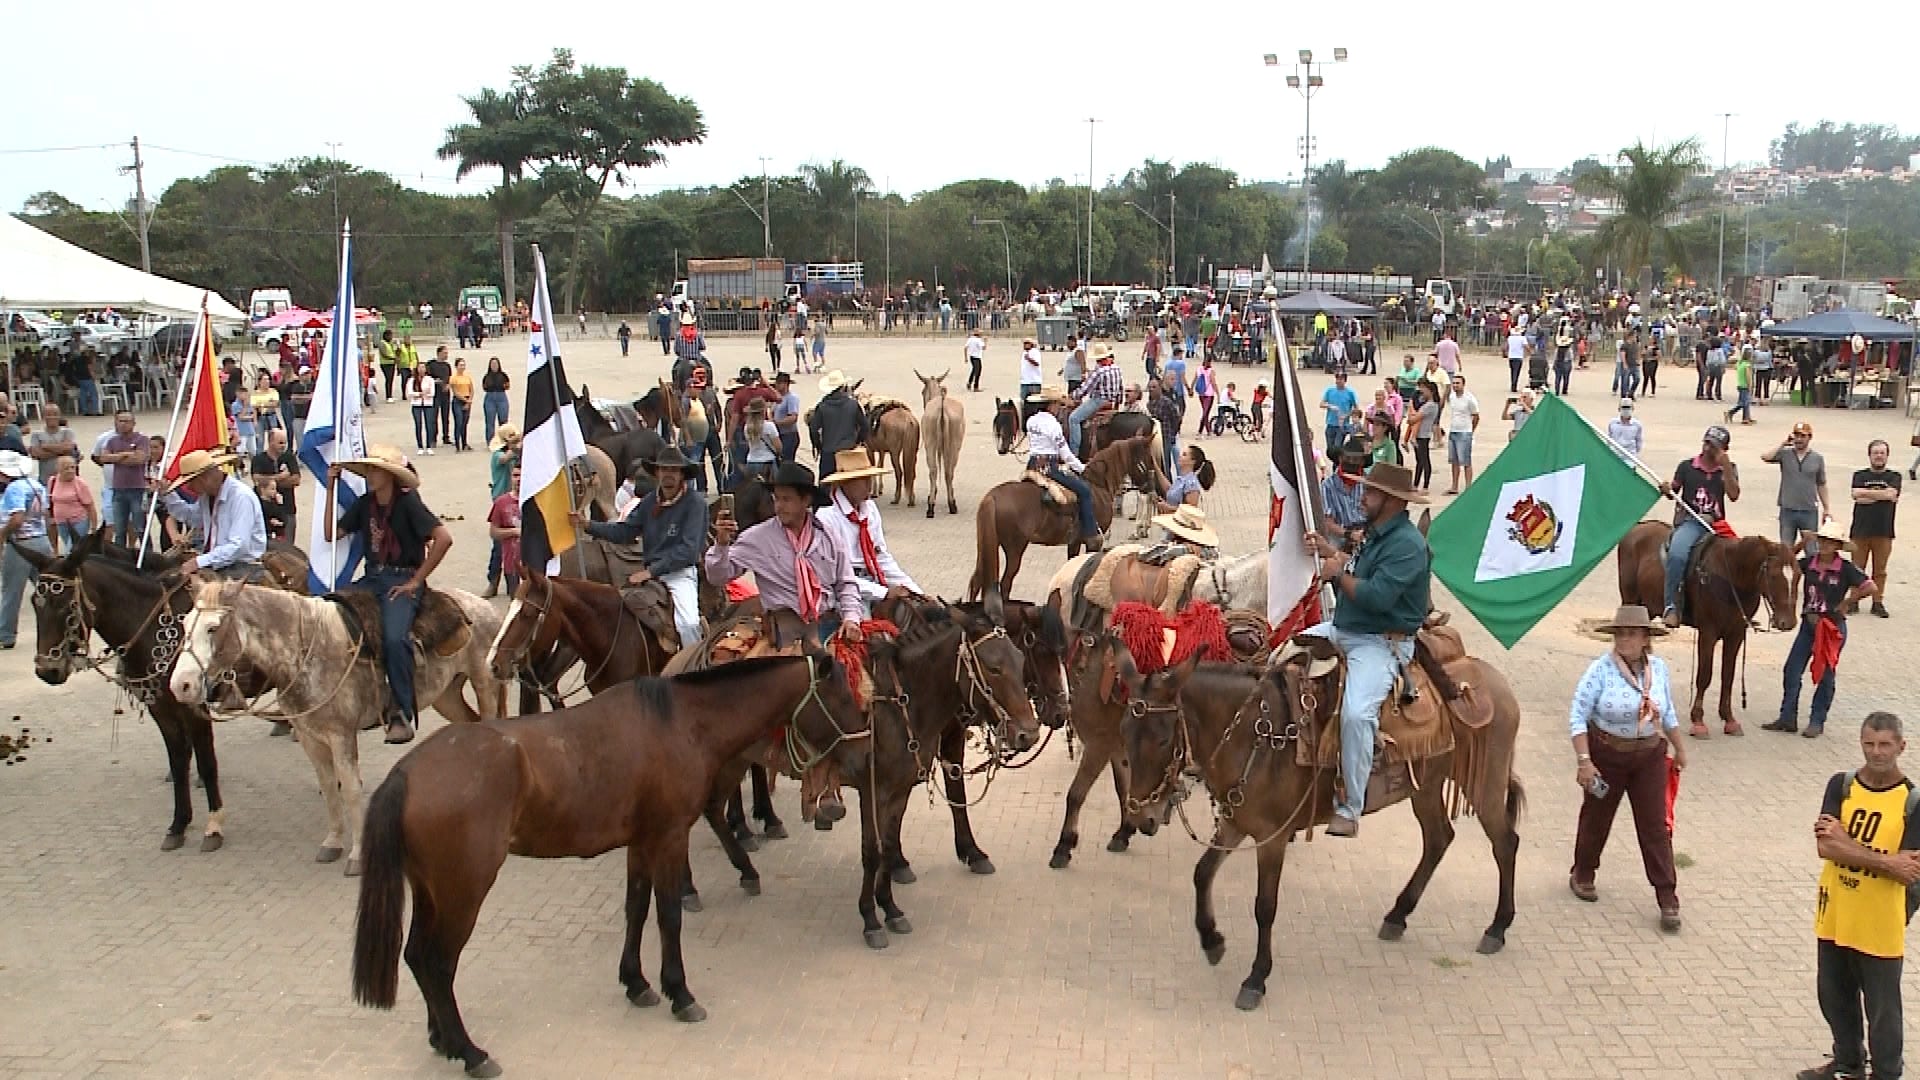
[(40, 270)]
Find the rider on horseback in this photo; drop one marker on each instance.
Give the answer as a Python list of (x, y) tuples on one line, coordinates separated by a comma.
[(1702, 485), (225, 511), (1384, 592), (1048, 452), (669, 526), (852, 518), (403, 541), (1104, 387)]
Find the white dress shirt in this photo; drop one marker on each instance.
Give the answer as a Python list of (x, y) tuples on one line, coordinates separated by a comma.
[(1046, 439), (833, 518), (236, 529)]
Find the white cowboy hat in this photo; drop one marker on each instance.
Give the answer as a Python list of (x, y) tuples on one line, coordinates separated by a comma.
[(384, 459), (194, 462), (1189, 523), (687, 318), (832, 380), (851, 464), (1052, 393), (1100, 351), (502, 434), (15, 464), (1831, 529)]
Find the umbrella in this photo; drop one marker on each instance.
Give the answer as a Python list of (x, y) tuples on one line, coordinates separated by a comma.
[(293, 319)]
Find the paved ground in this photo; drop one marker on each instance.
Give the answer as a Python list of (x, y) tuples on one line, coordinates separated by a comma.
[(120, 960)]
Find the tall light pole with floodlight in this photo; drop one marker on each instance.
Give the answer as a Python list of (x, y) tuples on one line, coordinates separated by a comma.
[(1307, 79)]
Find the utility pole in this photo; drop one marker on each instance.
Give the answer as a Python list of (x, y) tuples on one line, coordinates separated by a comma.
[(1173, 237), (1308, 79), (766, 228), (1090, 122), (1720, 275), (1846, 228), (333, 164), (141, 220)]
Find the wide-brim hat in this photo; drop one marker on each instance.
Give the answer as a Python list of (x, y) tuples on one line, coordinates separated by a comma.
[(1394, 480), (386, 459), (687, 318), (1189, 523), (832, 380), (1632, 617), (1051, 394), (794, 475), (194, 462), (1831, 529), (15, 464), (1100, 351), (851, 464), (501, 434), (668, 457)]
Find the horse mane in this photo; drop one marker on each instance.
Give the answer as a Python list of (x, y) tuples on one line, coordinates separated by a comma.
[(123, 574), (739, 669)]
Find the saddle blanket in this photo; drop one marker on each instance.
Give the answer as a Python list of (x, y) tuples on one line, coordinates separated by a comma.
[(1052, 492), (439, 628)]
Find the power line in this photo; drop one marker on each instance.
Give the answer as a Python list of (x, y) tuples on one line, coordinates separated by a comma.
[(61, 149)]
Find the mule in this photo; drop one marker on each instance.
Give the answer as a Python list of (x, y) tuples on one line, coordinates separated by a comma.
[(629, 769), (303, 648), (943, 427), (895, 436), (1721, 598), (1238, 727), (1014, 515)]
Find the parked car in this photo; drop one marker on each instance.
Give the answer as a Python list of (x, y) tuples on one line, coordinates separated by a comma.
[(172, 339)]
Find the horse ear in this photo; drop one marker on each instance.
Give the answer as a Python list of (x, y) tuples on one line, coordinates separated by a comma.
[(996, 606), (1426, 521), (917, 375), (37, 559), (942, 377)]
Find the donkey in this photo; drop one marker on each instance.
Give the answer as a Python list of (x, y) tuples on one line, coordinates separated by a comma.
[(943, 427)]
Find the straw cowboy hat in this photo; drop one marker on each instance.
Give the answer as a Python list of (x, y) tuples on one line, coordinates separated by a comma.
[(1189, 523), (1831, 529), (1051, 394), (687, 319), (832, 380), (851, 464), (1632, 617), (1394, 480), (504, 434), (384, 459), (1100, 351), (195, 462), (15, 464)]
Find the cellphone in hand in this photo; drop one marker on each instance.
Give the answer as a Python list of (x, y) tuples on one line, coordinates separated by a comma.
[(726, 505), (1599, 787)]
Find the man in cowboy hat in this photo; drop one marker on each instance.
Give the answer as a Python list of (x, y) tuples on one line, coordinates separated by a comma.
[(670, 526), (838, 421), (806, 584), (1104, 387), (1187, 526), (224, 511), (1829, 587), (689, 351), (403, 542), (1048, 452), (1383, 598), (1702, 485), (23, 524), (852, 518)]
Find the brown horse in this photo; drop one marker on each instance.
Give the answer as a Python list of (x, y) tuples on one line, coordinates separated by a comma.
[(896, 435), (1721, 598), (1237, 726), (1012, 515), (631, 768)]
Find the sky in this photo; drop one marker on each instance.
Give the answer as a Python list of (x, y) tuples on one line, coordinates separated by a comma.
[(919, 95)]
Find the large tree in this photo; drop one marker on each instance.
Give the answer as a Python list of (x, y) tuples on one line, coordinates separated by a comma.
[(504, 134), (835, 189), (1649, 194)]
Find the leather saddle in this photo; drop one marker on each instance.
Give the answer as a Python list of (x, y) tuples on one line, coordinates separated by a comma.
[(1052, 492), (651, 605), (1694, 572), (440, 628), (1093, 432)]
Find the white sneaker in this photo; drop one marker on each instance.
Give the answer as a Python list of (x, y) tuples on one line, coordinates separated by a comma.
[(428, 451)]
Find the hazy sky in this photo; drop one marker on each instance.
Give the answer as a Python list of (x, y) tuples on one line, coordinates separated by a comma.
[(921, 95)]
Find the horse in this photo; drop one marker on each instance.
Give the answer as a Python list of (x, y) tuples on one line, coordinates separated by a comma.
[(624, 447), (304, 648), (630, 768), (1007, 429), (1014, 515), (897, 434), (1720, 599), (943, 425), (136, 613), (1239, 726)]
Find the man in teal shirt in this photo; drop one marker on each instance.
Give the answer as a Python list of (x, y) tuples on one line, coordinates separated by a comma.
[(1383, 598)]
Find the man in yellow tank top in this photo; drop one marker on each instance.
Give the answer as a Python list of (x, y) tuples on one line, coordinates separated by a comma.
[(1860, 917)]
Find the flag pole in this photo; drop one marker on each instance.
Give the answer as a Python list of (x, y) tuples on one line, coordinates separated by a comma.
[(1640, 465), (552, 341), (189, 371), (1309, 501)]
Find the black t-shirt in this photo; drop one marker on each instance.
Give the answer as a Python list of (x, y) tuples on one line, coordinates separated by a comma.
[(278, 516), (1703, 489), (494, 382), (288, 391), (284, 465), (1874, 519), (441, 372), (1824, 590), (408, 523)]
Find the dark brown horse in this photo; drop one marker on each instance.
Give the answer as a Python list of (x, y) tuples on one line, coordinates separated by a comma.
[(629, 769), (1095, 713), (1012, 515), (1237, 726), (1721, 598)]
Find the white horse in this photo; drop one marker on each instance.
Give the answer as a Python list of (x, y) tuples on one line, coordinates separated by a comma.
[(302, 648)]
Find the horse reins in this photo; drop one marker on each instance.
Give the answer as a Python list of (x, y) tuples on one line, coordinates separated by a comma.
[(586, 679)]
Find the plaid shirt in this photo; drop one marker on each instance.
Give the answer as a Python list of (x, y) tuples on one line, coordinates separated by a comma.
[(1105, 381)]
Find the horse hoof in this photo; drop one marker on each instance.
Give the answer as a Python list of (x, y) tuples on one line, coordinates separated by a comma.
[(329, 854), (929, 510), (1060, 860), (982, 866), (1215, 953), (748, 841), (876, 939), (644, 998), (211, 842), (953, 508), (484, 1069), (173, 842), (1248, 999), (1392, 931), (751, 886), (1117, 845), (691, 902), (1490, 945), (355, 866), (899, 924), (690, 1013), (775, 831), (903, 875)]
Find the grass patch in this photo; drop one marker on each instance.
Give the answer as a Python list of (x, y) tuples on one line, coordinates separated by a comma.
[(1448, 963), (1682, 860)]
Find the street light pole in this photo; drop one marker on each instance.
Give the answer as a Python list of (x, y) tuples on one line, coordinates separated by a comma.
[(1173, 236), (1720, 275), (1307, 80), (1009, 248), (766, 227), (1090, 122)]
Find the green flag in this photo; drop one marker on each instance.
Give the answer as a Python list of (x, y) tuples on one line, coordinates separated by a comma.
[(1536, 521)]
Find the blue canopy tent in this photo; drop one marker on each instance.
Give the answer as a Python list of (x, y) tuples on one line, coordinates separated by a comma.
[(1846, 325)]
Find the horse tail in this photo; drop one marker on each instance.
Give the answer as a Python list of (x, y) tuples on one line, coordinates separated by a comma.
[(376, 935), (986, 562), (1516, 798)]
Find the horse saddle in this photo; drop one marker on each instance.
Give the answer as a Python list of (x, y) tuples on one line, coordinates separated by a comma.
[(748, 631), (605, 562), (878, 407), (1052, 492), (1426, 707), (1093, 431), (440, 628), (1695, 572), (651, 605), (1161, 578)]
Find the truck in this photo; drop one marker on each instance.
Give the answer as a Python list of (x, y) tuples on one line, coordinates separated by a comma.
[(1368, 288), (742, 282), (1793, 296), (266, 303), (816, 280), (1439, 296), (486, 300)]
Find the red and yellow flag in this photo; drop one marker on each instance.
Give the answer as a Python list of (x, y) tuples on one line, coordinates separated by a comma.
[(206, 421)]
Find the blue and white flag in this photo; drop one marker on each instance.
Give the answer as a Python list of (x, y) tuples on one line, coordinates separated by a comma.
[(334, 433)]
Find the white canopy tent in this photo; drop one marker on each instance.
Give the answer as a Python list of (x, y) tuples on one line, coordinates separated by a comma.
[(40, 270)]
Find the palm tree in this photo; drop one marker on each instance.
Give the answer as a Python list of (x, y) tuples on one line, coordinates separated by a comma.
[(1649, 195), (503, 135), (836, 188)]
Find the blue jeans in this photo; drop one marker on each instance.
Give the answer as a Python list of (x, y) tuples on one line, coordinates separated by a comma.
[(493, 409), (1793, 523), (1169, 450), (1685, 535), (396, 633), (462, 412), (1083, 504), (73, 534), (493, 565), (1078, 417), (425, 433), (1798, 658), (89, 395), (1743, 404), (15, 574), (123, 515), (1372, 663)]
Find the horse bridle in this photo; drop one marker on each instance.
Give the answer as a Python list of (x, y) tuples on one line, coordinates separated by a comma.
[(523, 662), (79, 634), (801, 754)]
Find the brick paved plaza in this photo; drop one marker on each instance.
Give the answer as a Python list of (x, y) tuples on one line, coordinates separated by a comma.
[(119, 960)]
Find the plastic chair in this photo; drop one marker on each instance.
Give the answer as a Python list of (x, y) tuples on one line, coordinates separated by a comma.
[(113, 397), (30, 397)]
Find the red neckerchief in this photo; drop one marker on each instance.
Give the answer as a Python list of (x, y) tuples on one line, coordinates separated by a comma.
[(805, 582), (869, 551)]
